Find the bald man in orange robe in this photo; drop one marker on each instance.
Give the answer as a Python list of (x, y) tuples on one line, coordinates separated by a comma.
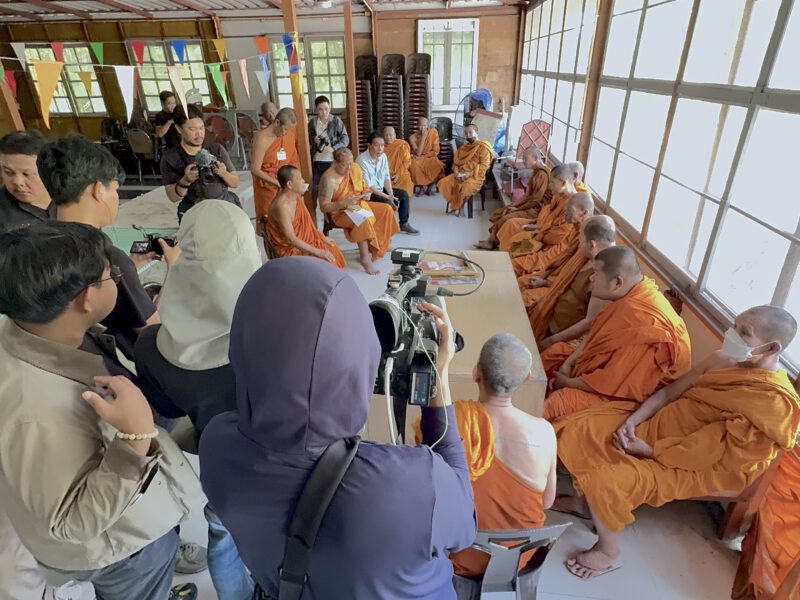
[(398, 153), (711, 432), (636, 344), (342, 189), (470, 164), (291, 230), (426, 168)]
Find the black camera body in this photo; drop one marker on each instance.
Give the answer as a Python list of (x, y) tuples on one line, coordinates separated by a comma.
[(150, 244), (205, 161)]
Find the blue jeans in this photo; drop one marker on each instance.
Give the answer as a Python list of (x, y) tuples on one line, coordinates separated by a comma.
[(230, 577)]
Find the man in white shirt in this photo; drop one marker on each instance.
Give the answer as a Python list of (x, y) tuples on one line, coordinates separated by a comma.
[(375, 165)]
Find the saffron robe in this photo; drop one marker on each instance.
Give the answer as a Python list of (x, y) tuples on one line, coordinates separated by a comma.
[(263, 192), (563, 301), (399, 155), (304, 229), (427, 168), (537, 193), (474, 158)]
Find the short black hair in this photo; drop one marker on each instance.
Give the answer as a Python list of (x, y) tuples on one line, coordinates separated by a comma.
[(69, 165), (45, 266), (165, 95), (320, 99), (28, 143), (181, 115), (285, 174), (374, 136)]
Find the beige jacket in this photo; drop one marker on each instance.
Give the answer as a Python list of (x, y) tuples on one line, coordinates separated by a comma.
[(79, 498)]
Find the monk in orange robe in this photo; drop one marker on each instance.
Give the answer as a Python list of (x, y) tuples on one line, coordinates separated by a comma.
[(272, 148), (511, 455), (537, 194), (343, 191), (561, 300), (578, 172), (398, 153), (426, 168), (637, 344), (711, 432), (470, 164), (291, 230)]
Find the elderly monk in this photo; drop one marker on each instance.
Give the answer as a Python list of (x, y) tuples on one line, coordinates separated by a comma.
[(268, 113), (561, 300), (511, 455), (342, 190), (578, 172), (291, 229), (470, 164), (426, 168), (398, 152), (637, 343), (537, 193), (711, 432), (273, 147)]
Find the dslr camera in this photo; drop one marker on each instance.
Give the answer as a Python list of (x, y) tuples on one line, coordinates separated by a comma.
[(205, 161), (150, 244)]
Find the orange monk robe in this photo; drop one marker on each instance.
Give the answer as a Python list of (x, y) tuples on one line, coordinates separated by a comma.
[(475, 159), (537, 193), (510, 231), (306, 230), (514, 239), (719, 436), (378, 229), (263, 192), (563, 301), (558, 244), (636, 345), (771, 547), (399, 155), (427, 168)]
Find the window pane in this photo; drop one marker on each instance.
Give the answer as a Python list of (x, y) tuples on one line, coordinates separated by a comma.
[(598, 167), (319, 49), (574, 14), (663, 38), (573, 138), (644, 126), (786, 75), (609, 113), (555, 51), (549, 97), (557, 133), (621, 43), (194, 52), (621, 6), (558, 16), (569, 50), (587, 35), (320, 66), (563, 95), (541, 56), (339, 100), (745, 274), (792, 351), (546, 13), (576, 114), (632, 184), (536, 22)]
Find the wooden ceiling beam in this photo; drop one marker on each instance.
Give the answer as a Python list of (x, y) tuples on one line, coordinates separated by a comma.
[(81, 14), (127, 8), (276, 3), (193, 6), (19, 13)]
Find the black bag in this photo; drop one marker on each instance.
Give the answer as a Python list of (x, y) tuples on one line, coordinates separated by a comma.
[(317, 494)]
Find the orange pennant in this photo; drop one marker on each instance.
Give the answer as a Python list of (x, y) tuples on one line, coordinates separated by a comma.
[(262, 44), (86, 78), (48, 73), (221, 46)]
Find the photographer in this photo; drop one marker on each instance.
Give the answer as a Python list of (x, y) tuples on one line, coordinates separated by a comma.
[(304, 381), (181, 175), (326, 134)]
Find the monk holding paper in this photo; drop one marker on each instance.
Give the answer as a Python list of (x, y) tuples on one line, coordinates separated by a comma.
[(470, 164), (426, 168)]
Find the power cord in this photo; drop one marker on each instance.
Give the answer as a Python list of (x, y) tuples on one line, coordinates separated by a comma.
[(472, 262)]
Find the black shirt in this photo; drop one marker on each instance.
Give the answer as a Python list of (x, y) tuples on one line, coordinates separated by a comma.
[(133, 307), (173, 137), (14, 214)]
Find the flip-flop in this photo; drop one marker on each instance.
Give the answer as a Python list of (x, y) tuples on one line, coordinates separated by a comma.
[(597, 572), (567, 511)]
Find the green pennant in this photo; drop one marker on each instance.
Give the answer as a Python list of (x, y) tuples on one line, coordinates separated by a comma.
[(219, 81), (2, 72), (97, 48)]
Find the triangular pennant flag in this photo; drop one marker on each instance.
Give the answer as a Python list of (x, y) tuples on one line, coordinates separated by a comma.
[(2, 73), (262, 44), (11, 81), (243, 70), (262, 81), (292, 55), (48, 73), (180, 49), (97, 48), (264, 66), (138, 50), (221, 47), (125, 80), (58, 50), (86, 78), (176, 77), (19, 50), (219, 81)]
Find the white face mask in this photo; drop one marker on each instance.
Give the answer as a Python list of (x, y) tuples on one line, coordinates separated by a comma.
[(305, 188), (472, 138), (735, 348)]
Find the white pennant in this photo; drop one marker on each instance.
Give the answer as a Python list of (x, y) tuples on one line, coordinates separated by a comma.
[(125, 80), (262, 80), (19, 50)]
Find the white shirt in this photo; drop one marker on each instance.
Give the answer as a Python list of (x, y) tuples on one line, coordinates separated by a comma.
[(376, 171)]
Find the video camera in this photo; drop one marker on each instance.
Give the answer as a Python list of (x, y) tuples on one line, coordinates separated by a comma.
[(408, 337), (151, 243)]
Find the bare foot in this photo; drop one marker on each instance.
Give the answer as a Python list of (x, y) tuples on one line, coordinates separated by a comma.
[(572, 505), (484, 245), (592, 563), (369, 267), (460, 213)]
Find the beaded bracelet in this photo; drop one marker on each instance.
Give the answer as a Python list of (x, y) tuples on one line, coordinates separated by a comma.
[(149, 265), (138, 437)]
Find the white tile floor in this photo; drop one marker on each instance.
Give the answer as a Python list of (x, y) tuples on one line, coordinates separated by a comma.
[(670, 553)]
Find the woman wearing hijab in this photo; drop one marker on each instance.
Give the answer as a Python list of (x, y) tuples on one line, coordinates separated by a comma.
[(305, 355), (182, 363)]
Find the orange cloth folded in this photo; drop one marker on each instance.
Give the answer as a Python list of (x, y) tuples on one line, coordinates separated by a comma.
[(427, 168), (566, 295), (399, 155), (304, 229)]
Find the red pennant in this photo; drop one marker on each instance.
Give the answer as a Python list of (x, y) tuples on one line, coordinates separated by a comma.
[(138, 50), (11, 81), (224, 76), (58, 50), (136, 84), (262, 44)]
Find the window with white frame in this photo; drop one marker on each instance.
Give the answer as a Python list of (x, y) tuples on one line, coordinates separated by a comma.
[(453, 46), (323, 75), (71, 95), (154, 77)]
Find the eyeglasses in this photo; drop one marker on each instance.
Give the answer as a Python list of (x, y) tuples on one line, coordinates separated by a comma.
[(116, 275)]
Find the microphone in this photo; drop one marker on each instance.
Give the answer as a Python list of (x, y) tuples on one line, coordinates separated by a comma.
[(435, 290)]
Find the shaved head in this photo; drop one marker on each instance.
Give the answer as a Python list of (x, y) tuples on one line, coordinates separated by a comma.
[(582, 201), (268, 111), (342, 154), (600, 229), (619, 261), (286, 116), (562, 172), (504, 365), (577, 170), (615, 272), (772, 323)]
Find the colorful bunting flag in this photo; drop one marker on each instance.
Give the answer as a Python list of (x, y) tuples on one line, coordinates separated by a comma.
[(86, 78), (180, 49), (19, 50), (125, 75), (11, 81), (290, 45), (243, 70), (2, 73), (262, 44), (138, 50), (219, 81), (262, 81), (97, 48), (264, 66), (221, 47), (48, 73), (176, 77), (58, 50)]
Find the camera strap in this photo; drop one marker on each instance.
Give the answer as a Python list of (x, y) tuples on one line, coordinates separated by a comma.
[(317, 494)]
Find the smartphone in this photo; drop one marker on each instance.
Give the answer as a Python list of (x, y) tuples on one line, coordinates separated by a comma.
[(140, 247)]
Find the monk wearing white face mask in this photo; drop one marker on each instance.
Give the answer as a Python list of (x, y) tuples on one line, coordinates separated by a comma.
[(713, 431)]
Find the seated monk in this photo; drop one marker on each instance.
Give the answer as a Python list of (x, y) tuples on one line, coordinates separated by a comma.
[(398, 152), (511, 455), (577, 176), (552, 246), (290, 227), (537, 193), (272, 148), (713, 431), (426, 168), (469, 171), (516, 230), (561, 300), (637, 343), (343, 189)]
